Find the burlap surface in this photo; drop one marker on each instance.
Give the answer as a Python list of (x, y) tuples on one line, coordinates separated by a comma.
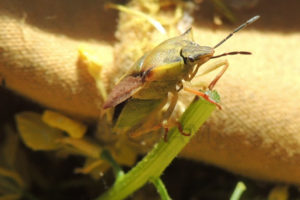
[(257, 132), (45, 67)]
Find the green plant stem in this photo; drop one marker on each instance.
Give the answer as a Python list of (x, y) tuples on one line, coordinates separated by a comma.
[(161, 189), (155, 162), (238, 191), (116, 168)]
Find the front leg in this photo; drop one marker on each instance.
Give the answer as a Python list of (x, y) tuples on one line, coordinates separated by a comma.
[(208, 69), (169, 111), (212, 67)]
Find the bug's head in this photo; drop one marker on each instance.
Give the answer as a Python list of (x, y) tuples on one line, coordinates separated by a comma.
[(193, 53)]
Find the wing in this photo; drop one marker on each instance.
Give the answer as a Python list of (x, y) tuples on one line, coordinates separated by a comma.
[(123, 91)]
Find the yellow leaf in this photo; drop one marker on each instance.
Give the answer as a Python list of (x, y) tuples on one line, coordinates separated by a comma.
[(279, 193), (96, 168), (35, 133), (74, 128), (83, 146)]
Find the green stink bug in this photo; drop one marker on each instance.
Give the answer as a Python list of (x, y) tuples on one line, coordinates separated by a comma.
[(142, 93)]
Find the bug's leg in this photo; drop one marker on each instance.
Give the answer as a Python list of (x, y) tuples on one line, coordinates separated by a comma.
[(171, 107), (141, 132), (194, 72), (168, 113), (179, 126), (212, 67), (216, 79), (166, 129), (208, 69), (203, 95)]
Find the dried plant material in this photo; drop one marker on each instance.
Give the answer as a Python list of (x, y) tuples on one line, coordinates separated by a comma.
[(91, 58), (74, 128), (224, 10), (140, 14), (185, 21), (35, 133), (217, 20)]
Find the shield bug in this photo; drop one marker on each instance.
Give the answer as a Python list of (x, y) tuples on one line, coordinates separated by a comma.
[(140, 95)]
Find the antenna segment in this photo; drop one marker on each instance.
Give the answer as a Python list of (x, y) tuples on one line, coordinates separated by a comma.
[(250, 21)]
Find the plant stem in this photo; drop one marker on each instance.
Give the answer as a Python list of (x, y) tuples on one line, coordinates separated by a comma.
[(238, 191), (116, 168), (161, 189), (155, 162)]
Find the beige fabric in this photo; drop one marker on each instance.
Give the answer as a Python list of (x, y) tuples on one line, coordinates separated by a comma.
[(257, 132), (46, 69)]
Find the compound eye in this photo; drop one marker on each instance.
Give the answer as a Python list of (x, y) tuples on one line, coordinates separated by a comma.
[(191, 59)]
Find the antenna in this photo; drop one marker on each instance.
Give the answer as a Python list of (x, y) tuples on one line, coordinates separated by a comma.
[(232, 53), (250, 21)]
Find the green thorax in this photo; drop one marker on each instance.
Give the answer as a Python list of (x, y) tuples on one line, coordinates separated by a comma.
[(164, 68)]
